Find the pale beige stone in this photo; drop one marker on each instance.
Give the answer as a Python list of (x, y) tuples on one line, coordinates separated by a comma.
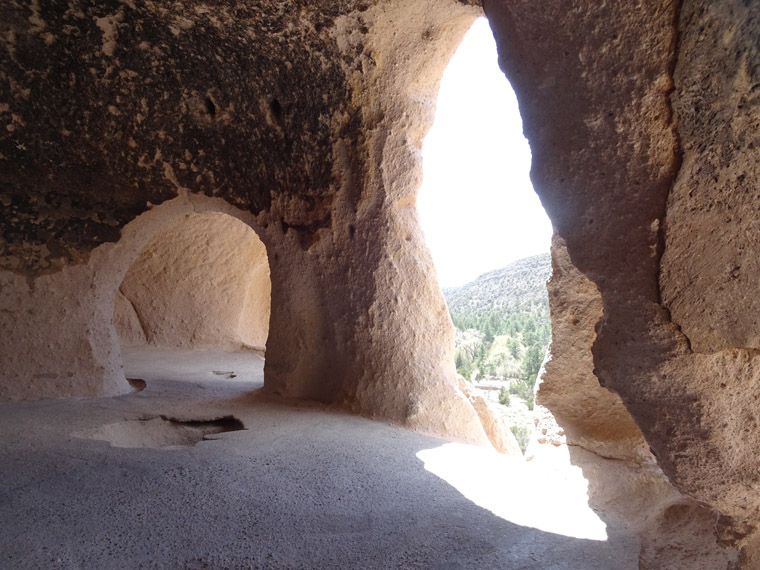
[(126, 322), (589, 415), (496, 429), (202, 282), (64, 342)]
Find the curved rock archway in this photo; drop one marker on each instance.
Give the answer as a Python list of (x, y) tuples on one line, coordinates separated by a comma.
[(356, 320), (203, 282), (80, 356)]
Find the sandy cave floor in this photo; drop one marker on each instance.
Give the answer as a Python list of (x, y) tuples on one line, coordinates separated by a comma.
[(297, 488)]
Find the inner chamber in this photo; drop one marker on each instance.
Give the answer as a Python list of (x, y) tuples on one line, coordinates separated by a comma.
[(200, 285)]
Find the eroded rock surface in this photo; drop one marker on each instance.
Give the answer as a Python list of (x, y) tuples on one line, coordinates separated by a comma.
[(127, 322), (581, 423), (308, 121), (203, 282), (611, 136), (590, 416), (494, 425), (111, 105), (710, 264)]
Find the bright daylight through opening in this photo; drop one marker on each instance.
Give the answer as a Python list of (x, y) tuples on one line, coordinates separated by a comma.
[(490, 237), (476, 204), (487, 232)]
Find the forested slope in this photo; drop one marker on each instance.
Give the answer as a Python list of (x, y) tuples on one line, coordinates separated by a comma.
[(503, 330)]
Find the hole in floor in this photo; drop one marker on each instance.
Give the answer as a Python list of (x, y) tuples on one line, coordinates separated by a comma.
[(230, 374), (161, 432), (138, 384)]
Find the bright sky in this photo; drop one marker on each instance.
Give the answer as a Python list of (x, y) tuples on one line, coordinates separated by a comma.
[(476, 204)]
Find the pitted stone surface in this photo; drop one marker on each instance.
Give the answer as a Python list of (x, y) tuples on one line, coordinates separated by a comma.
[(109, 106), (203, 282)]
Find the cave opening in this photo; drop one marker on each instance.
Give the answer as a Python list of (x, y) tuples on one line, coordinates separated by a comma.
[(195, 304), (493, 269), (579, 439)]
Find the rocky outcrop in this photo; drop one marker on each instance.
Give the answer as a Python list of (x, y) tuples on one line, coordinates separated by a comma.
[(590, 416), (494, 425), (581, 423)]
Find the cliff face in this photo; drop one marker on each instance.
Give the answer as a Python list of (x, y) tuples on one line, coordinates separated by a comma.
[(305, 121)]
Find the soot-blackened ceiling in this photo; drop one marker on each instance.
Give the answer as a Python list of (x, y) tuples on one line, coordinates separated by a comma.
[(110, 105)]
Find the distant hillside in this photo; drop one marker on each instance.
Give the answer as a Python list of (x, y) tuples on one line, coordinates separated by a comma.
[(519, 288), (503, 331)]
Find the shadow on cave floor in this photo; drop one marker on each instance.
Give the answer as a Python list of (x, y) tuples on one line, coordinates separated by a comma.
[(297, 488)]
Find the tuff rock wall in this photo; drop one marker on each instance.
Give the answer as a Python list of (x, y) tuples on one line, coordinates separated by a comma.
[(642, 120), (305, 118), (202, 282), (580, 422)]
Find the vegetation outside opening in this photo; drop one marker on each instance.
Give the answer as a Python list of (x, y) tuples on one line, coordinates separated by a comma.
[(494, 265)]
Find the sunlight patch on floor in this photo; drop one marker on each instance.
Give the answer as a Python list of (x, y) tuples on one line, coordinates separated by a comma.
[(547, 494)]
